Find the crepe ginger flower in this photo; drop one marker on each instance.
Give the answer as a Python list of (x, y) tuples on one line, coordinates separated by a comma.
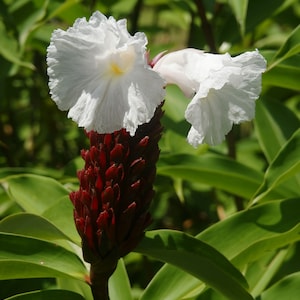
[(223, 89), (100, 74)]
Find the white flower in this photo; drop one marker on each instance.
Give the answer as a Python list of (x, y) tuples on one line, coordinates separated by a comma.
[(223, 89), (99, 72)]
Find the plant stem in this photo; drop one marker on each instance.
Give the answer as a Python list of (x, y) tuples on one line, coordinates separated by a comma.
[(99, 288), (231, 144), (206, 26), (135, 16), (99, 276)]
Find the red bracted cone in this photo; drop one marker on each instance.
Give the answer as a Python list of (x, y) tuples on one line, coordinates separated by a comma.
[(116, 189)]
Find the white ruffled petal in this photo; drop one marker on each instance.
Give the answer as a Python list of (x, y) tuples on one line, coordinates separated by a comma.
[(143, 99), (99, 72), (209, 118), (178, 68), (223, 89), (194, 137), (226, 97)]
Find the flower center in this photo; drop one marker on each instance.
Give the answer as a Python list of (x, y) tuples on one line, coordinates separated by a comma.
[(122, 61), (115, 69)]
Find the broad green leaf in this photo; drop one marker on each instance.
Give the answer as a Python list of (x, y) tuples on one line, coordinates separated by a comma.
[(55, 206), (61, 215), (68, 11), (26, 257), (242, 238), (286, 288), (9, 49), (209, 294), (173, 141), (274, 125), (34, 193), (31, 225), (289, 48), (27, 14), (239, 8), (61, 9), (284, 166), (6, 205), (260, 229), (118, 284), (196, 258), (47, 295), (5, 172), (217, 171), (76, 286), (258, 11), (71, 168), (176, 103), (122, 7), (270, 268), (284, 75), (171, 283)]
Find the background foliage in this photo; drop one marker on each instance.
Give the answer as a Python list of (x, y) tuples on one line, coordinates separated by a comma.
[(240, 200)]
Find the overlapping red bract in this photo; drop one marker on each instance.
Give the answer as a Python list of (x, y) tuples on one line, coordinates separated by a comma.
[(116, 189)]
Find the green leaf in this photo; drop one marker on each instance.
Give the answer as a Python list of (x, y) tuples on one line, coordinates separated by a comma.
[(9, 49), (258, 11), (258, 230), (215, 170), (290, 48), (287, 162), (118, 284), (5, 172), (61, 9), (274, 124), (26, 257), (47, 295), (285, 74), (270, 268), (286, 288), (68, 11), (34, 193), (61, 215), (171, 283), (176, 103), (196, 258), (239, 8), (243, 237), (75, 286), (31, 225), (27, 14), (284, 166), (44, 196)]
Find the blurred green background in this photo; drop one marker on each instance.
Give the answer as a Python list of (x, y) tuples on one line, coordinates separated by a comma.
[(35, 137)]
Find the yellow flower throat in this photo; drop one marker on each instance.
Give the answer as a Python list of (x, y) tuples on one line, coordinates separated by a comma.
[(115, 69), (122, 62)]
